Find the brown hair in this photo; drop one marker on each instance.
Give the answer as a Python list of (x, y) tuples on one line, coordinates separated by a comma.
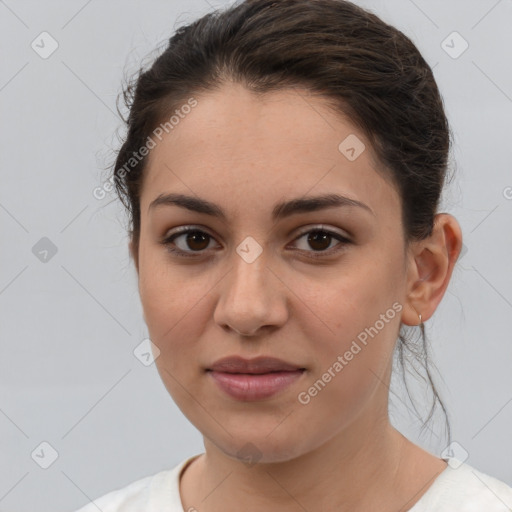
[(366, 69)]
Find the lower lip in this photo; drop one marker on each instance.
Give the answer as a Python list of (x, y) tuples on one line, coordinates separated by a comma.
[(244, 386)]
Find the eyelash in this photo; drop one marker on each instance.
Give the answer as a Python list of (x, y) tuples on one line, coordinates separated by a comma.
[(169, 242)]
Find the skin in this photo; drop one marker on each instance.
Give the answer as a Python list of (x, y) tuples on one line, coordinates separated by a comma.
[(339, 452)]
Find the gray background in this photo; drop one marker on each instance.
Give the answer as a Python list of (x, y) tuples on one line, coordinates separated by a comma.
[(69, 325)]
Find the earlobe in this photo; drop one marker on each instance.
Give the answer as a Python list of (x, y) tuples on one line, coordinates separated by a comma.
[(432, 263)]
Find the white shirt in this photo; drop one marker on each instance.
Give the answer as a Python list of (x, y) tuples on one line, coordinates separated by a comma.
[(458, 488)]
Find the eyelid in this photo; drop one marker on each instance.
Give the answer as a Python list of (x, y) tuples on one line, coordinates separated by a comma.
[(186, 228), (323, 227)]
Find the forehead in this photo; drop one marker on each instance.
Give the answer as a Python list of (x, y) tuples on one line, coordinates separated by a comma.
[(266, 147)]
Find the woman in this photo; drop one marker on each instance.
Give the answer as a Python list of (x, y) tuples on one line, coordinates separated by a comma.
[(259, 135)]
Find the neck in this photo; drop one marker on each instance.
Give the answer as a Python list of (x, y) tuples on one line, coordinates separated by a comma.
[(358, 469)]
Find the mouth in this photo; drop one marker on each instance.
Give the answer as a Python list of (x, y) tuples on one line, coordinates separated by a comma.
[(254, 379)]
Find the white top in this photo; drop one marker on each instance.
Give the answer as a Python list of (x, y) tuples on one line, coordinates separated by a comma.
[(458, 488)]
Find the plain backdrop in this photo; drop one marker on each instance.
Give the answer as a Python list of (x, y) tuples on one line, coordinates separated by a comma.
[(73, 395)]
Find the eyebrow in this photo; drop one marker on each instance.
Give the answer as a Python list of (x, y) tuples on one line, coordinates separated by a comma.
[(280, 210)]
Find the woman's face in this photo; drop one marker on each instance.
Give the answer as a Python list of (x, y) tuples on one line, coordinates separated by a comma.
[(251, 284)]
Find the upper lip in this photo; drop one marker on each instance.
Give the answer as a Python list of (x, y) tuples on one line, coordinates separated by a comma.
[(262, 364)]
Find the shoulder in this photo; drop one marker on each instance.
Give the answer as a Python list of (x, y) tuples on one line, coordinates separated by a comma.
[(122, 499), (462, 488), (143, 493)]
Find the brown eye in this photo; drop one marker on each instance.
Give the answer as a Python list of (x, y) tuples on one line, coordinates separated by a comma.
[(195, 240), (320, 241), (188, 242)]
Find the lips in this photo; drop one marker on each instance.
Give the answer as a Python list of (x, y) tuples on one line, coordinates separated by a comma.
[(237, 364), (253, 379)]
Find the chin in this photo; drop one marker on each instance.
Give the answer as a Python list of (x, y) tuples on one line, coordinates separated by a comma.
[(260, 448)]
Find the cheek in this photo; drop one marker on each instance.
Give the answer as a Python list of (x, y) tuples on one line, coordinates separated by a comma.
[(346, 302), (170, 301), (356, 316), (172, 306), (350, 364)]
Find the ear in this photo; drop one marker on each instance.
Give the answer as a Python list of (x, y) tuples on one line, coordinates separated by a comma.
[(431, 262), (133, 249)]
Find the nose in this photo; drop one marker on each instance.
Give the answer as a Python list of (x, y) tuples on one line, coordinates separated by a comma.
[(252, 298)]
